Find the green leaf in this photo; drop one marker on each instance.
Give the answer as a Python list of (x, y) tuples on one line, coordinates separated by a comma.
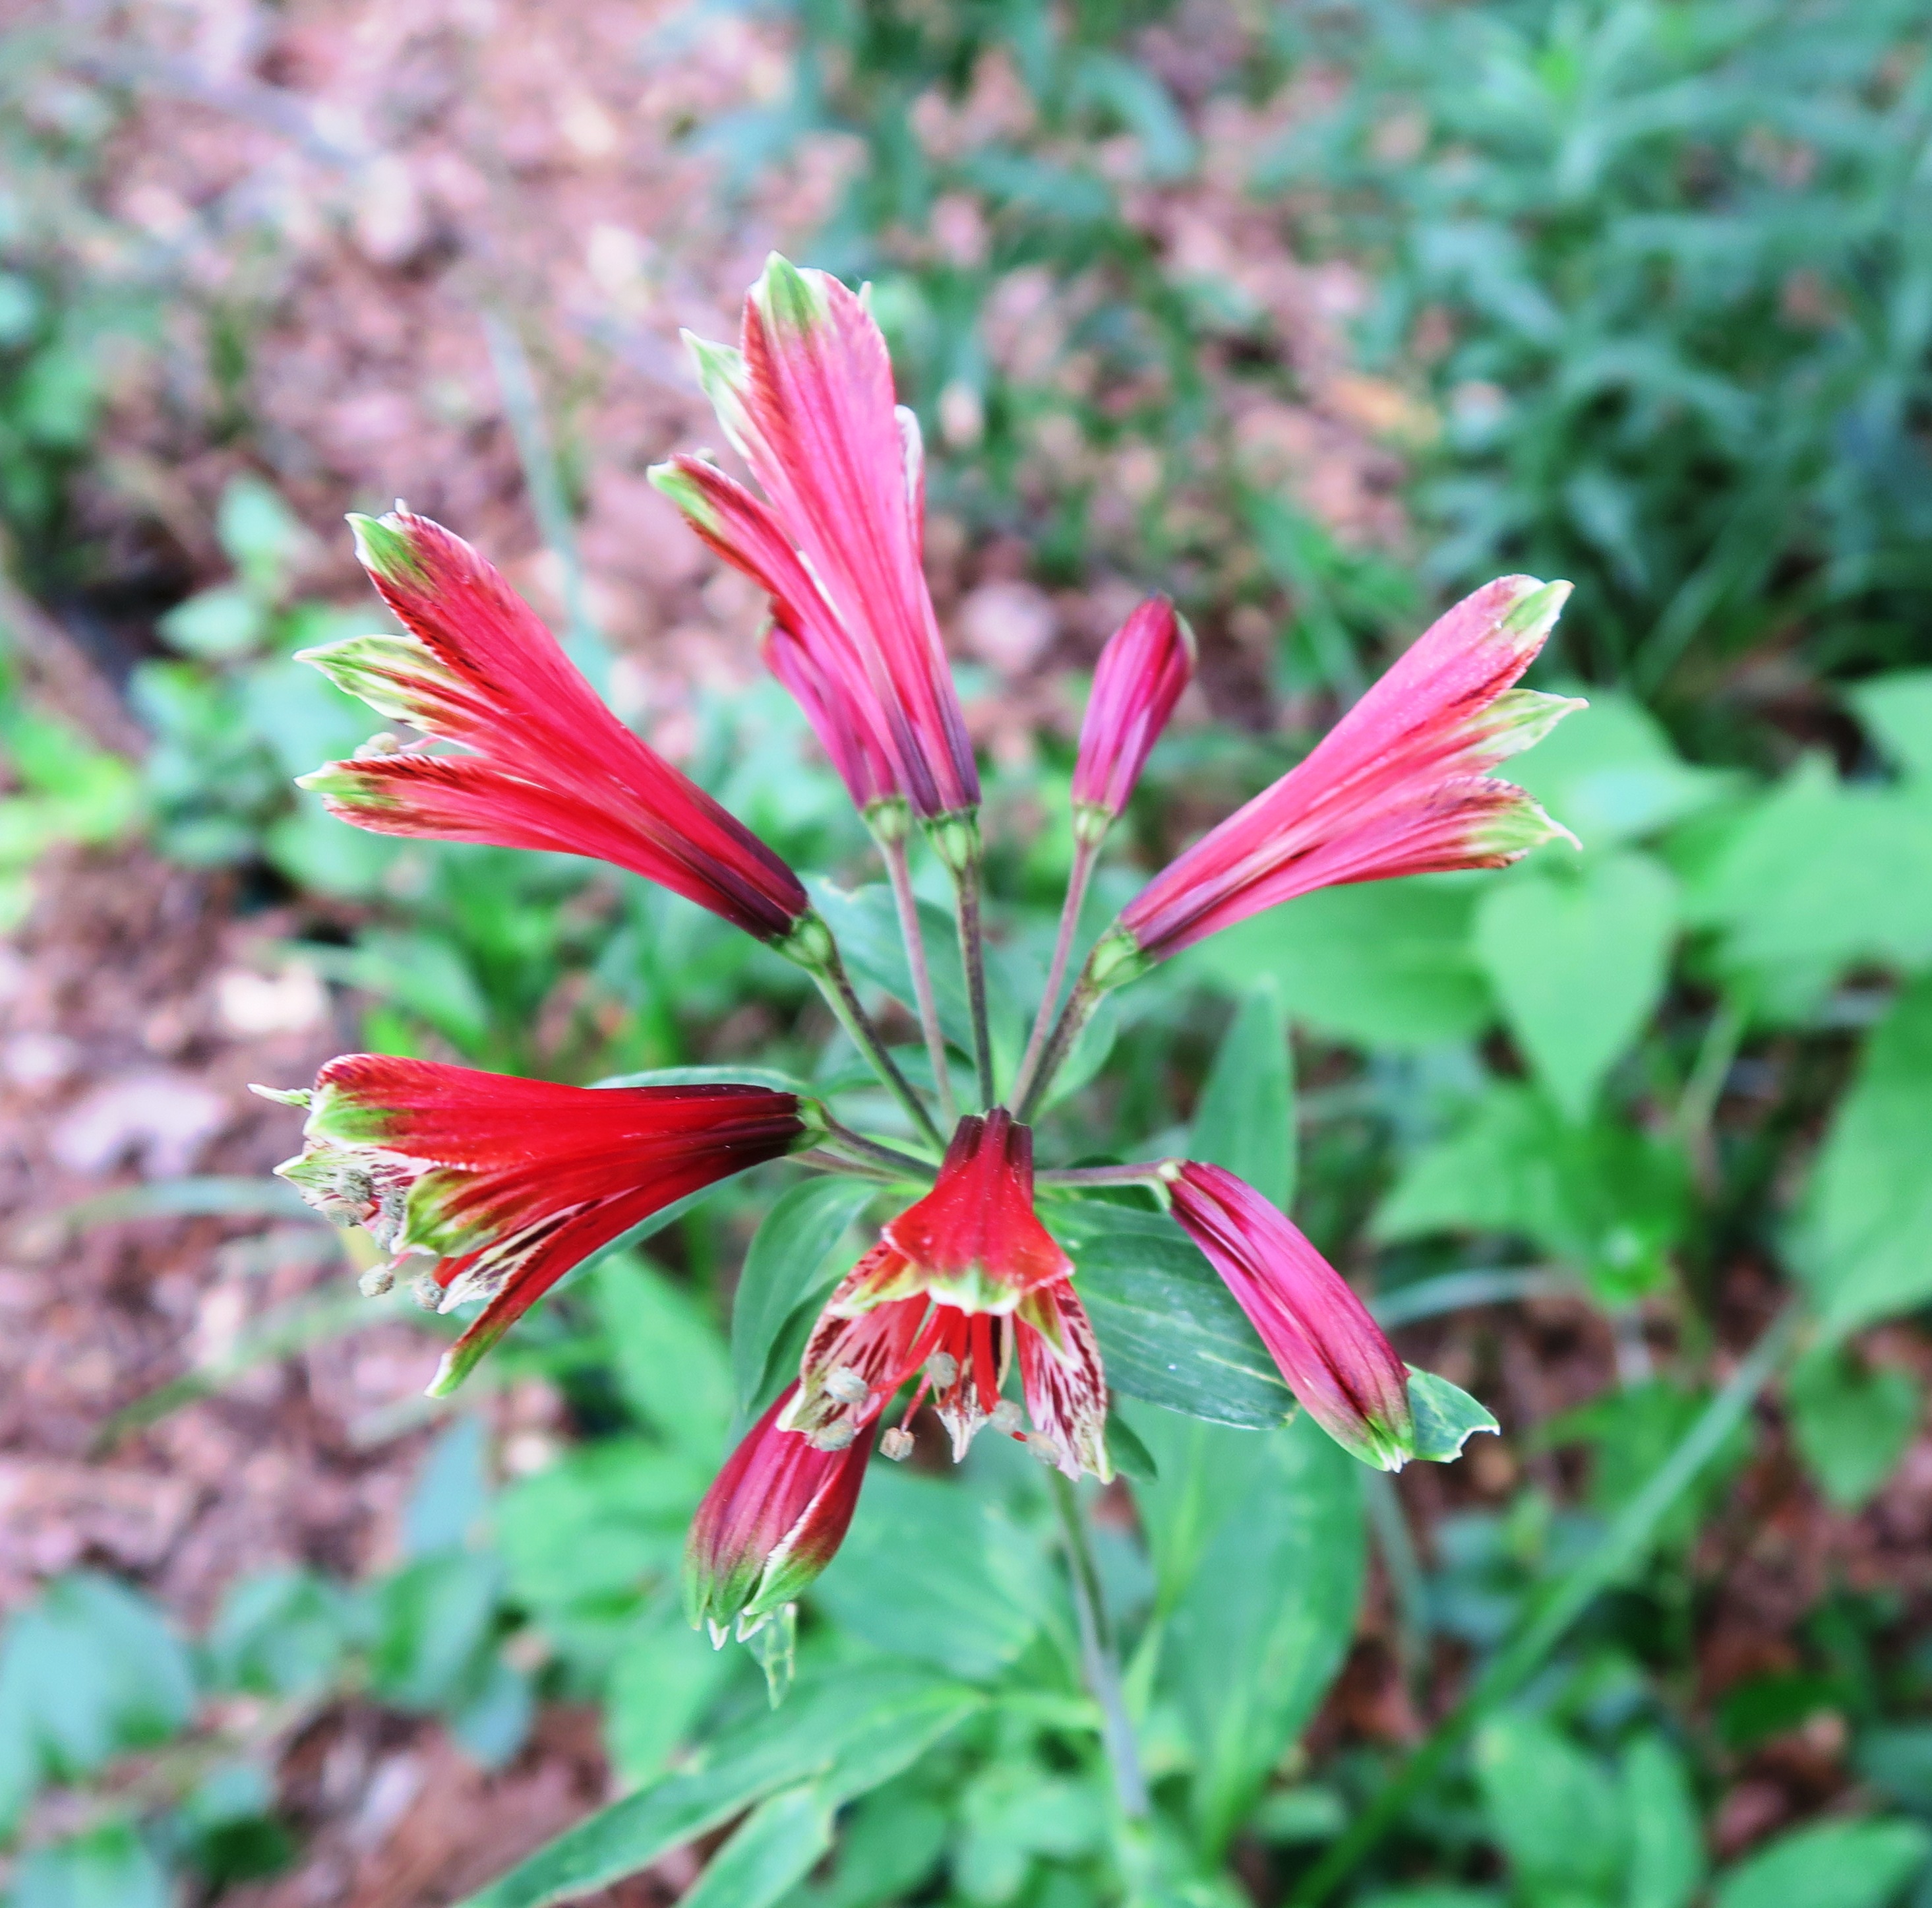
[(1837, 1865), (1852, 1424), (1245, 1118), (850, 1728), (930, 1570), (1384, 964), (1817, 877), (671, 1365), (1446, 1416), (1259, 1541), (1131, 1458), (1863, 1245), (88, 1672), (1666, 1839), (1607, 1198), (769, 1852), (1609, 774), (1553, 1809), (1897, 712), (789, 1262), (664, 1678), (1578, 958), (1170, 1332), (226, 621), (109, 1866)]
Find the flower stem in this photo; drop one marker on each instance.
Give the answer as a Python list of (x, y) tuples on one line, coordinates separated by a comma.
[(821, 1161), (836, 986), (899, 872), (1143, 1172), (900, 1165), (972, 956), (1080, 1005), (1096, 1652), (1085, 853)]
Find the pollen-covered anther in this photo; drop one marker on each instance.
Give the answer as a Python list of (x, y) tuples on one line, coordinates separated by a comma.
[(848, 1385), (897, 1444), (427, 1293), (832, 1437), (1005, 1417), (376, 1281), (383, 744), (1043, 1448), (942, 1371)]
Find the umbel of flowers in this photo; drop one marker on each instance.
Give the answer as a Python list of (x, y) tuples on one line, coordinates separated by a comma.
[(491, 1189)]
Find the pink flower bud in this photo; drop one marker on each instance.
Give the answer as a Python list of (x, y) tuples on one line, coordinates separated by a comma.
[(1146, 665), (1331, 1353)]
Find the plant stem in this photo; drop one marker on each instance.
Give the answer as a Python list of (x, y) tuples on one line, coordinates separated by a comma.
[(899, 872), (822, 1161), (1096, 1652), (973, 957), (901, 1165), (1621, 1547), (1085, 853), (1080, 1004), (1146, 1173), (836, 986)]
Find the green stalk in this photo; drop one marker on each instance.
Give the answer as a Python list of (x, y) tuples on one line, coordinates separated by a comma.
[(1084, 854), (973, 957), (1621, 1547), (1080, 1004), (899, 872), (836, 986), (1096, 1653)]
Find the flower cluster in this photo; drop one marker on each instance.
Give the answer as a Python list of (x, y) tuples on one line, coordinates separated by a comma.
[(492, 1189)]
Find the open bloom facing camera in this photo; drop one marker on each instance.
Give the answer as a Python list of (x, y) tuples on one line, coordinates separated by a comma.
[(489, 1190)]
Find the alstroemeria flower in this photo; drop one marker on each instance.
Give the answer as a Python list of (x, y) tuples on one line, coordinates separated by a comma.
[(959, 1283), (807, 402), (500, 1185), (1332, 1353), (551, 766), (1399, 786), (1147, 662), (769, 1523)]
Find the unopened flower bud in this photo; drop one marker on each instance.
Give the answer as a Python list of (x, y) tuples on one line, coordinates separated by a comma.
[(897, 1444)]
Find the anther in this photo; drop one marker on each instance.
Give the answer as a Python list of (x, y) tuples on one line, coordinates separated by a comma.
[(427, 1293), (943, 1368), (376, 1281), (377, 746), (848, 1385), (1042, 1447), (897, 1444), (1005, 1416), (832, 1437)]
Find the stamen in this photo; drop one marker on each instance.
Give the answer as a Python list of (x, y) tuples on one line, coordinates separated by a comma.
[(896, 1444), (376, 1281), (942, 1371), (848, 1385), (832, 1437), (427, 1293), (1005, 1417), (985, 1368), (1042, 1447)]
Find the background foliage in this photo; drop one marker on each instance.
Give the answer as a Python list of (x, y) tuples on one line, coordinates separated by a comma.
[(1646, 303)]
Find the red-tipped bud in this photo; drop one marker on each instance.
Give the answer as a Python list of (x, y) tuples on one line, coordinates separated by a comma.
[(1141, 673), (1332, 1353), (1399, 786), (551, 766), (495, 1187), (771, 1520), (807, 402)]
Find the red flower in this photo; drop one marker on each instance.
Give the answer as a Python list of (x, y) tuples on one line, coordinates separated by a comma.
[(1332, 1353), (769, 1523), (551, 767), (1146, 665), (503, 1184), (808, 403), (1399, 787), (959, 1283)]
